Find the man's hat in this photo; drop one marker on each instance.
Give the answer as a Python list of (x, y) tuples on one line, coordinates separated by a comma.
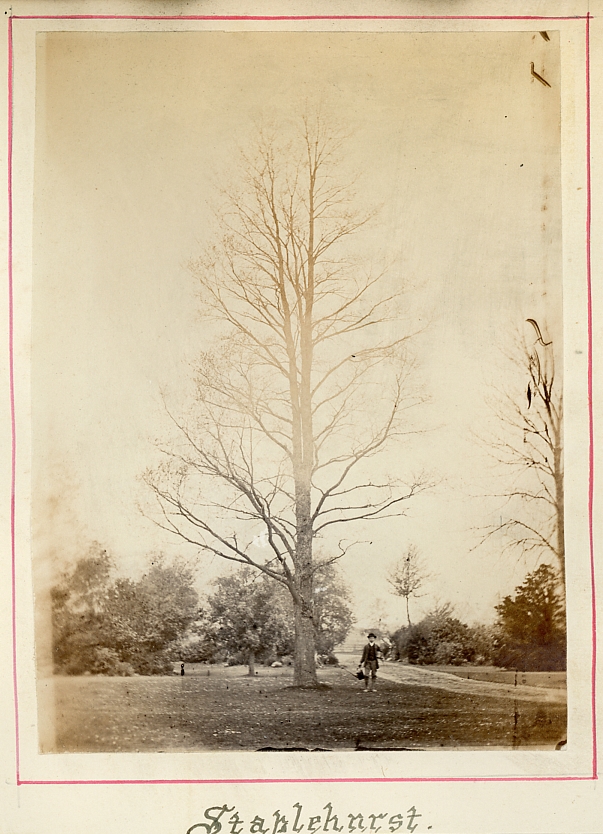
[(372, 635)]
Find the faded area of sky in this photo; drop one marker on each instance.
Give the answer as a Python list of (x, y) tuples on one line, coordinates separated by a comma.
[(452, 139)]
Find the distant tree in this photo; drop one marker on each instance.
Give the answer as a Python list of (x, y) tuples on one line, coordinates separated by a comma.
[(484, 637), (78, 602), (408, 576), (530, 446), (246, 617), (107, 624), (90, 578), (146, 616), (252, 618), (333, 615), (532, 624), (452, 641)]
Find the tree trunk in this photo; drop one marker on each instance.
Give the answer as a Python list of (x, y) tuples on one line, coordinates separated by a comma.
[(304, 669), (408, 612), (556, 421), (251, 663), (304, 666), (304, 662), (559, 509)]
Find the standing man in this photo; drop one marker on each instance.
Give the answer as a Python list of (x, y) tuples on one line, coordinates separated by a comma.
[(370, 662)]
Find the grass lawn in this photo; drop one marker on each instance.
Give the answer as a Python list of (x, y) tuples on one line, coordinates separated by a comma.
[(551, 680), (217, 708)]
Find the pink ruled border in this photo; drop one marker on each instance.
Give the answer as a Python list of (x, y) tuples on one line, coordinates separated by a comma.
[(586, 18)]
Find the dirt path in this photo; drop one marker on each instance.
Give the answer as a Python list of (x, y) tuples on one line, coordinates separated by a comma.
[(421, 676)]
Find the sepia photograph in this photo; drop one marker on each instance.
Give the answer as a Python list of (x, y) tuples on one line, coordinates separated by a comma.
[(297, 375)]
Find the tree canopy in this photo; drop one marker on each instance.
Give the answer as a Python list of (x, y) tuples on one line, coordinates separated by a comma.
[(106, 623), (532, 624), (333, 615), (248, 617)]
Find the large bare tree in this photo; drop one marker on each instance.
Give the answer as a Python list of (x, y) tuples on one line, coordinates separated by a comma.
[(530, 446), (307, 384)]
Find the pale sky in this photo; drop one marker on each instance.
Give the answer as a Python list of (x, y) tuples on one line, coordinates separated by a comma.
[(452, 137)]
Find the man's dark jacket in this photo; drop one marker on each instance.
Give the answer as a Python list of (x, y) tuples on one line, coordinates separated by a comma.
[(366, 656)]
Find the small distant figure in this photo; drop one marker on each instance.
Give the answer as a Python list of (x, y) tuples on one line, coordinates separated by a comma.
[(182, 669), (369, 660)]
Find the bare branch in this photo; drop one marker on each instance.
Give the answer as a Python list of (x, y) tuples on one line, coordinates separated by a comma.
[(530, 445)]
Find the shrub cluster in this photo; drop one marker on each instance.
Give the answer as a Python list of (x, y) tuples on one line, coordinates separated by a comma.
[(441, 638), (529, 633), (103, 625)]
